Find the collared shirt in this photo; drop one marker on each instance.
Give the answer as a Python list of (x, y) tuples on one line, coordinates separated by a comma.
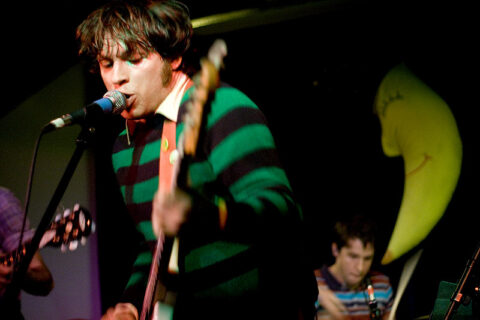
[(356, 301), (169, 107)]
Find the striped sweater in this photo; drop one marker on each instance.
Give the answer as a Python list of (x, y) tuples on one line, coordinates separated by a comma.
[(237, 162), (356, 301)]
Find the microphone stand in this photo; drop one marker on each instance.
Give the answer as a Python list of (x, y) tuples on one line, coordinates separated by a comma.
[(467, 288), (14, 287)]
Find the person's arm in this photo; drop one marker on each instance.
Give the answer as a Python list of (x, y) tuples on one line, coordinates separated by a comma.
[(38, 280), (121, 311), (5, 277), (386, 315), (240, 155), (331, 306)]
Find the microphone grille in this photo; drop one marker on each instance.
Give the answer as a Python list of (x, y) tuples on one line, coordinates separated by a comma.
[(118, 100)]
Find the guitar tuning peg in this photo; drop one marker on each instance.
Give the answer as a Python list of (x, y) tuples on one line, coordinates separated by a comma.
[(73, 245), (83, 241), (82, 221), (63, 248), (67, 212), (76, 207), (58, 217)]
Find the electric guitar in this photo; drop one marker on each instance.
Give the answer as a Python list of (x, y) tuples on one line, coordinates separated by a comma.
[(206, 81), (65, 233)]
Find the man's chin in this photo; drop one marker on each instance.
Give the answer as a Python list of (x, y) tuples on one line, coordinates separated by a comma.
[(128, 115), (355, 282)]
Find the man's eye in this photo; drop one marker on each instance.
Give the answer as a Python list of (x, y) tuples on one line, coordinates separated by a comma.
[(134, 61), (105, 63)]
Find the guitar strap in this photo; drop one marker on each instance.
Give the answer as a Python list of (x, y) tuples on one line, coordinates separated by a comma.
[(167, 155), (154, 290), (166, 180)]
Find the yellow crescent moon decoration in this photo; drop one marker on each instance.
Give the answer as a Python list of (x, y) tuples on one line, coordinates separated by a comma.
[(418, 125)]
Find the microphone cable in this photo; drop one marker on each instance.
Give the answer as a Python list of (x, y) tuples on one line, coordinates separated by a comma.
[(28, 192)]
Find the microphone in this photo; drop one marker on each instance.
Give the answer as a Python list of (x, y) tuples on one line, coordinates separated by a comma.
[(112, 102), (372, 301)]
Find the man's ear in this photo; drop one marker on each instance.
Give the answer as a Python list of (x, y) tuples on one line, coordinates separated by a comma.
[(334, 249), (176, 63)]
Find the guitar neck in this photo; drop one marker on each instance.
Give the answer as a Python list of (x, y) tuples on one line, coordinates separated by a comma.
[(18, 254), (68, 229)]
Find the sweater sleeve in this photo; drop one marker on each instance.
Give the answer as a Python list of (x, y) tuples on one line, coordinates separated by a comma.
[(240, 164)]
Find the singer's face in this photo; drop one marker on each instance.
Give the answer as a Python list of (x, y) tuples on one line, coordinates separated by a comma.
[(143, 78), (352, 262)]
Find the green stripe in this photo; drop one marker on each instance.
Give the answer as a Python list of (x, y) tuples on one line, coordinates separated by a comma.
[(135, 278), (252, 138), (212, 253), (178, 131), (151, 152), (145, 227), (227, 99), (143, 259), (124, 157), (143, 191), (274, 197), (201, 173), (258, 179), (241, 285)]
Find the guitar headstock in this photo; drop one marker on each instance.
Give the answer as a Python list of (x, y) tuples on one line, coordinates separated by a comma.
[(69, 229), (65, 232), (205, 81)]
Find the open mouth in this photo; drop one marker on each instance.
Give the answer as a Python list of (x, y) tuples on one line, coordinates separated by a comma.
[(127, 96), (128, 100)]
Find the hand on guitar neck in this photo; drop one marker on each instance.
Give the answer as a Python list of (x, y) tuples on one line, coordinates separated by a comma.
[(170, 211), (64, 232)]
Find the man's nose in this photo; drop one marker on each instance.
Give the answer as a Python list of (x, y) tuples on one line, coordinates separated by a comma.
[(360, 265), (120, 74)]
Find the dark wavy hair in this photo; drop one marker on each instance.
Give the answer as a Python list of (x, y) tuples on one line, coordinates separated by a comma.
[(142, 26), (354, 227)]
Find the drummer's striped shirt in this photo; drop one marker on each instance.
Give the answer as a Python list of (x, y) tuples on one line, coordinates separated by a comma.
[(356, 301)]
